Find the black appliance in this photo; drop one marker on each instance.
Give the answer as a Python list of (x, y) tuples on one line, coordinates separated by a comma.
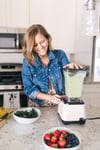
[(11, 87)]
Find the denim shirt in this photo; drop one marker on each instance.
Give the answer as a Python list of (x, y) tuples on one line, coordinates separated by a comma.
[(35, 77)]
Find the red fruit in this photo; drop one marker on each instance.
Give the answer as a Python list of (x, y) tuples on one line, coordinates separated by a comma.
[(55, 145), (61, 143), (56, 133), (63, 132), (49, 144), (62, 136), (47, 137), (53, 139), (51, 134)]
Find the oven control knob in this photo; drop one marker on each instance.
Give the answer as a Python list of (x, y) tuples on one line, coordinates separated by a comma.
[(16, 87)]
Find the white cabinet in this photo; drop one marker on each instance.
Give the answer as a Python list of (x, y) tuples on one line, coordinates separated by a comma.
[(3, 12), (14, 13), (17, 13), (83, 43), (62, 19), (58, 16)]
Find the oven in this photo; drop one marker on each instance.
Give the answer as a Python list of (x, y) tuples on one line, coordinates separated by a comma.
[(11, 88)]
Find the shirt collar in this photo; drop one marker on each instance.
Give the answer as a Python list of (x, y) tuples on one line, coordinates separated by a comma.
[(37, 59)]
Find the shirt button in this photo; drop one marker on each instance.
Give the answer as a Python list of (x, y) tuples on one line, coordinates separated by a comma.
[(35, 75), (52, 77), (49, 69)]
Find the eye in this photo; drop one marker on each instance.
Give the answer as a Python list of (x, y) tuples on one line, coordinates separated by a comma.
[(35, 45), (42, 41)]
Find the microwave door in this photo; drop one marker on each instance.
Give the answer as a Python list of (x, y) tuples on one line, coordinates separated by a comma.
[(7, 41)]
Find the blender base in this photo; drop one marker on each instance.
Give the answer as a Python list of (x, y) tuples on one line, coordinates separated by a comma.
[(72, 111), (81, 121)]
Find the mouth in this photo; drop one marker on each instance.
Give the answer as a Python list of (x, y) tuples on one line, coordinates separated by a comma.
[(42, 51)]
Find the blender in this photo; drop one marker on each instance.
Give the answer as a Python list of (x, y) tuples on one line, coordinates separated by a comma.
[(72, 108)]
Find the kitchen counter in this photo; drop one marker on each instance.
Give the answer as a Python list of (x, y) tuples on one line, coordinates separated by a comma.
[(14, 136)]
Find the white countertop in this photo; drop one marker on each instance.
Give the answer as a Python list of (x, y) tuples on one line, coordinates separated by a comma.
[(14, 136)]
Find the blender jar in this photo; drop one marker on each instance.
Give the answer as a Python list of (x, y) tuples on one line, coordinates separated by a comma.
[(74, 82)]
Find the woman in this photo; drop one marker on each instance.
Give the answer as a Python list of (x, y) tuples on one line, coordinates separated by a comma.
[(42, 70)]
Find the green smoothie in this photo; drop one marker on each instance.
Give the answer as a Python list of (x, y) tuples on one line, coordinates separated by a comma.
[(74, 82)]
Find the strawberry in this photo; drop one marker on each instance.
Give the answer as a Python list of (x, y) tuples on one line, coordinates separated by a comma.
[(63, 132), (53, 139), (61, 143), (51, 134), (49, 144), (62, 136), (56, 133), (55, 145), (47, 137)]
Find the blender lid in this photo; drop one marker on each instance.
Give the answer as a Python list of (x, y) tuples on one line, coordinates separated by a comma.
[(75, 70)]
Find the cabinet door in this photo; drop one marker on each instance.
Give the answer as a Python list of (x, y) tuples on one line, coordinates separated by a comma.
[(3, 13), (17, 13), (58, 16), (84, 43)]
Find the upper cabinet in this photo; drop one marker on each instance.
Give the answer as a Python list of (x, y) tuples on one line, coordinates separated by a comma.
[(59, 19), (57, 16), (14, 13), (17, 13), (3, 13)]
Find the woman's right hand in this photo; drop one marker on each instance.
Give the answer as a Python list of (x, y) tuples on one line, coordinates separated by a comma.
[(55, 98)]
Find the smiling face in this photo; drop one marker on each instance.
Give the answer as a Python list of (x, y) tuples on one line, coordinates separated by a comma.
[(36, 40), (40, 45)]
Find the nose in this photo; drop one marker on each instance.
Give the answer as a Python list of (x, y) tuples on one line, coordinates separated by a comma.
[(39, 46)]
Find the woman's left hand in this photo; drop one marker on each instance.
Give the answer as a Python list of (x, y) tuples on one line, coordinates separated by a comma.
[(73, 65)]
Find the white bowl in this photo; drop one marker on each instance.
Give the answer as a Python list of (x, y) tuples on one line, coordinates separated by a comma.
[(60, 128), (26, 120)]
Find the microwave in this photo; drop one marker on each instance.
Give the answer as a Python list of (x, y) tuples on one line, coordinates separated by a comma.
[(11, 42)]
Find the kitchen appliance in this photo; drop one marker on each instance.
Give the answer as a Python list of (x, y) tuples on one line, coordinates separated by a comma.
[(10, 41), (11, 88), (72, 109)]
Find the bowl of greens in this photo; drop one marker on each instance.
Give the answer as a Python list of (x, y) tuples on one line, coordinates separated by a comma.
[(26, 115)]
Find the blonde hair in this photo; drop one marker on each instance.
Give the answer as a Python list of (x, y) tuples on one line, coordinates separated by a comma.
[(28, 41)]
